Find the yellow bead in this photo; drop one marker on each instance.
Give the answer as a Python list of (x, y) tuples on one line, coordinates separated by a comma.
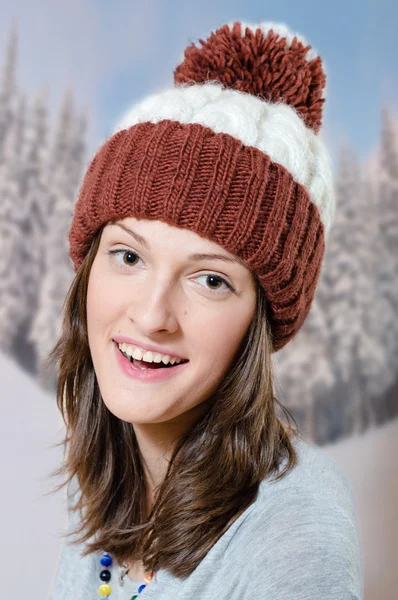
[(105, 590)]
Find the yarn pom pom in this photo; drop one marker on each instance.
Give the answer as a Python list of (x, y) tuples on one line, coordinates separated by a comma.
[(265, 60)]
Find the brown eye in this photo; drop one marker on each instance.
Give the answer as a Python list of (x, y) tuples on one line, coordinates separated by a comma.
[(217, 279), (213, 279), (128, 257)]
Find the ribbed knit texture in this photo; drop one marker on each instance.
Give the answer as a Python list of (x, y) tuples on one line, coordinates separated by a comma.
[(188, 176)]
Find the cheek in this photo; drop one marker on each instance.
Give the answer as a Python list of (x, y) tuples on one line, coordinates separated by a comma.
[(102, 305), (218, 338)]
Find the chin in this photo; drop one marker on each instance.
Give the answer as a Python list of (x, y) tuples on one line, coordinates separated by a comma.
[(125, 411)]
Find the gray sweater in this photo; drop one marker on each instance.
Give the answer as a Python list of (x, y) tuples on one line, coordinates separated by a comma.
[(299, 540)]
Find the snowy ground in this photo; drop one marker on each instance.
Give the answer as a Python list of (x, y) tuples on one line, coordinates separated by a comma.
[(370, 463), (32, 522)]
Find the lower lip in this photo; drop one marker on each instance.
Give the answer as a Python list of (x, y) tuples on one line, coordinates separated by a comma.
[(134, 372)]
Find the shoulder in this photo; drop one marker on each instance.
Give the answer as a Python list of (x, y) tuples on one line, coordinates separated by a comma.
[(315, 474), (303, 535), (314, 494), (75, 574)]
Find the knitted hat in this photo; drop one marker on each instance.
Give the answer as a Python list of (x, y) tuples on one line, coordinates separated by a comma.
[(231, 152)]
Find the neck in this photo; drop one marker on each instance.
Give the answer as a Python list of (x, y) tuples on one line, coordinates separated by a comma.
[(156, 442), (155, 447)]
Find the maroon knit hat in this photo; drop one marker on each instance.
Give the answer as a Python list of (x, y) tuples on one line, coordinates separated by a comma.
[(231, 152)]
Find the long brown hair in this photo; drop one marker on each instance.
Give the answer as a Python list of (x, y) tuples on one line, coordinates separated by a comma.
[(215, 468)]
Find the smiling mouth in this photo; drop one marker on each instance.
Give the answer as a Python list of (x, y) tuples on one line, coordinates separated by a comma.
[(150, 365)]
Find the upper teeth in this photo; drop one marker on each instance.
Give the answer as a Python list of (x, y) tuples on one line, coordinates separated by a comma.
[(148, 356)]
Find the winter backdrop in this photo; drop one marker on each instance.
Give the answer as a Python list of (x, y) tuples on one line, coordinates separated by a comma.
[(339, 376)]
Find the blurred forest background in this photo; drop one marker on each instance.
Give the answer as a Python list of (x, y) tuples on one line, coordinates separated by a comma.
[(339, 376)]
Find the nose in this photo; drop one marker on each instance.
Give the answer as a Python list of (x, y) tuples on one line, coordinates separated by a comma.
[(154, 308)]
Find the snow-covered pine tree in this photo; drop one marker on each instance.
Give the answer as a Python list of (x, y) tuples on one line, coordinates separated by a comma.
[(33, 192), (11, 126), (377, 321), (388, 198), (387, 247), (11, 214), (318, 368), (342, 267), (304, 373), (8, 90), (60, 147), (59, 274), (78, 161), (338, 412)]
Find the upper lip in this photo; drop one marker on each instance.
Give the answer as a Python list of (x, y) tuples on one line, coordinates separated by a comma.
[(122, 338)]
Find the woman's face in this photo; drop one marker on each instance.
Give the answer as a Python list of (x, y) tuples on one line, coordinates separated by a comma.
[(155, 294)]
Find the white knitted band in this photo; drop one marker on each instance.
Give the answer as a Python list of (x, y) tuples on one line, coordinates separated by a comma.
[(274, 128)]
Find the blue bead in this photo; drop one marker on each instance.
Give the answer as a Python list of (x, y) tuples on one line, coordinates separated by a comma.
[(106, 560), (141, 588)]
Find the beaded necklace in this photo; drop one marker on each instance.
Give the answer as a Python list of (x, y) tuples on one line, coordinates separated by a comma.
[(105, 589)]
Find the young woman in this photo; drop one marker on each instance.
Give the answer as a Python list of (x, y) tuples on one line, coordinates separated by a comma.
[(197, 241)]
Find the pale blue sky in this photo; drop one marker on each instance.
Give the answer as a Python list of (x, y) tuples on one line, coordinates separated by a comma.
[(113, 54)]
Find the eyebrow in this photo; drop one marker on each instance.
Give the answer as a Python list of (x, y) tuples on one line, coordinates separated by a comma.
[(192, 257)]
